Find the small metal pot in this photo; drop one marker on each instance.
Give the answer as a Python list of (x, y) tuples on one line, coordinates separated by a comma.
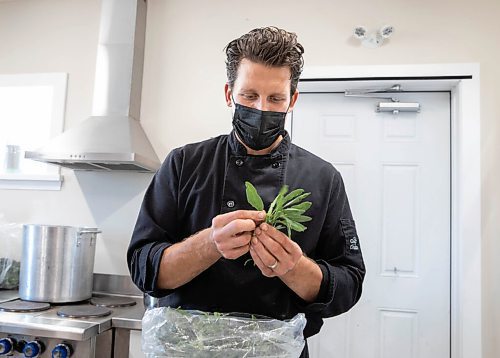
[(57, 263)]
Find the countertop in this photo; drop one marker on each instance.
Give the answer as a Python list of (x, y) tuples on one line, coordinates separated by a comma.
[(129, 317), (8, 295)]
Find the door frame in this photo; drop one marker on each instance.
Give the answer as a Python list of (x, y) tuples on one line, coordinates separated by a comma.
[(463, 81)]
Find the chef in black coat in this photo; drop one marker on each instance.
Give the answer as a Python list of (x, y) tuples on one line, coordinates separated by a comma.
[(196, 230)]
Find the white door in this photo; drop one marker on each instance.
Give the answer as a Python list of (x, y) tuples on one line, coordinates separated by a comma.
[(396, 169)]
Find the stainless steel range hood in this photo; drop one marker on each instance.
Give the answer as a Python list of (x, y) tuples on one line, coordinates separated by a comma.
[(112, 138)]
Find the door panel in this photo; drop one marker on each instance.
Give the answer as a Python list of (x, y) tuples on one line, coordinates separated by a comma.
[(396, 169)]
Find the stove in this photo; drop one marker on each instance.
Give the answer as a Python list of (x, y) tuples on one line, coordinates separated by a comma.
[(99, 327)]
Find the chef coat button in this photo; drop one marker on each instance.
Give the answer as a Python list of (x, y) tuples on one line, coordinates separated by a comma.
[(239, 162), (275, 165), (230, 204)]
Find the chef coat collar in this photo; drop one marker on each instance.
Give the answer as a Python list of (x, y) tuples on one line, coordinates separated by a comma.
[(239, 149)]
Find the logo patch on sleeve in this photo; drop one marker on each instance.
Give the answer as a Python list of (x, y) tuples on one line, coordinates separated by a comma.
[(354, 244)]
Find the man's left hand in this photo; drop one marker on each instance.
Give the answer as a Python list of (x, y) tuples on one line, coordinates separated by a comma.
[(273, 252)]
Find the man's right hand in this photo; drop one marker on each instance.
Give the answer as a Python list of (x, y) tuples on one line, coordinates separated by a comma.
[(229, 237), (231, 233)]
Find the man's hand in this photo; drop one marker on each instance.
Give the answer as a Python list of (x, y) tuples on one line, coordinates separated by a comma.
[(273, 252), (231, 232)]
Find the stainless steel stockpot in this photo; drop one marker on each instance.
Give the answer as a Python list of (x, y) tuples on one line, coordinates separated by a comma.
[(57, 263)]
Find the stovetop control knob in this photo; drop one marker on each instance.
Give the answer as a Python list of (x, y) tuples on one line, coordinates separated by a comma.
[(7, 346), (62, 350), (33, 349)]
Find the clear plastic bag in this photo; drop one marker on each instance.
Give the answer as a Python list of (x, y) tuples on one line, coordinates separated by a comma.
[(175, 333), (10, 255)]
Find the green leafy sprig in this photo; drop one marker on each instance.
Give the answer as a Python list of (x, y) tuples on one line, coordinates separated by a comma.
[(287, 209)]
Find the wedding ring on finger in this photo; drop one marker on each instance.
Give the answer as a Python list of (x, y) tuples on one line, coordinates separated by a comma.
[(273, 266)]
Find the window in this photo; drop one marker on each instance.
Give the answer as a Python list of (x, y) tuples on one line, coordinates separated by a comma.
[(31, 112)]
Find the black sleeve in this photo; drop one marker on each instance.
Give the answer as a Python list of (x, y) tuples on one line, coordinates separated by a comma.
[(339, 257), (157, 226)]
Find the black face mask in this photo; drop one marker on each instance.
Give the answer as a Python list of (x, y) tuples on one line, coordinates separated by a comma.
[(258, 129)]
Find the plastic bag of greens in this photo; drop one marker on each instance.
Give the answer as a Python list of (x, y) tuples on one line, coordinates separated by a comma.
[(175, 333), (10, 255)]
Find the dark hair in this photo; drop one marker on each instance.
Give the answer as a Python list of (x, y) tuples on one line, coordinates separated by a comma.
[(270, 46)]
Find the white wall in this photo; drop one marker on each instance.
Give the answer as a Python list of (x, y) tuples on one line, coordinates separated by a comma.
[(183, 90)]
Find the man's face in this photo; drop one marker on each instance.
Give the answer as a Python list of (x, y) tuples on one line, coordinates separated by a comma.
[(262, 87)]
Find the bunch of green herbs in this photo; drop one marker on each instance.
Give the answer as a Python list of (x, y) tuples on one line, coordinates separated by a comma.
[(287, 209)]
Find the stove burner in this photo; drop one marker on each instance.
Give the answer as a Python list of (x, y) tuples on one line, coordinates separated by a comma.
[(24, 306), (83, 312), (112, 301)]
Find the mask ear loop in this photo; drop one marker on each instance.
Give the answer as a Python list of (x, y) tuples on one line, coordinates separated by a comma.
[(287, 108), (284, 117)]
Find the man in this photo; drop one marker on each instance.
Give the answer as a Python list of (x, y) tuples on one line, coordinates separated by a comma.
[(195, 229)]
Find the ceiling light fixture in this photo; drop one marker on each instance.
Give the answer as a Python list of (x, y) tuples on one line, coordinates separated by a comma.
[(375, 39)]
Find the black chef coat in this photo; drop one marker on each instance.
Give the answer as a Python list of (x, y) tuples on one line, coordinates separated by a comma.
[(202, 180)]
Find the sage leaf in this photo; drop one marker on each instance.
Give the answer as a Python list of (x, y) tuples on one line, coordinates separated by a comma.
[(293, 211), (302, 206), (297, 199), (278, 204), (300, 218), (279, 198), (295, 225), (293, 194), (253, 197)]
